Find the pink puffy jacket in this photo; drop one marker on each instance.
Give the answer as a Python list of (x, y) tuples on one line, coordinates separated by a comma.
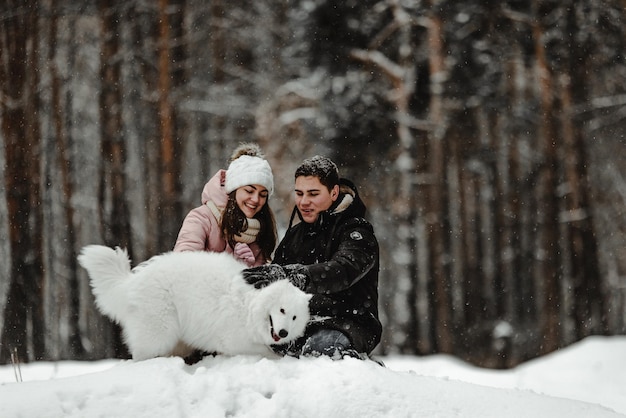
[(201, 230)]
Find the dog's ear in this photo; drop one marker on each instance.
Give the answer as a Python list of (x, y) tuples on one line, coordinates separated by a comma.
[(309, 296)]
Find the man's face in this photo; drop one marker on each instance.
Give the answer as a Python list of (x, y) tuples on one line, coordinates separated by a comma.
[(312, 197)]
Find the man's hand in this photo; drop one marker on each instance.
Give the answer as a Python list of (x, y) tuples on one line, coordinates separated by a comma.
[(262, 276), (297, 274)]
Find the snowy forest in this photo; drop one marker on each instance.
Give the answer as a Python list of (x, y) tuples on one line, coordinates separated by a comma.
[(487, 139)]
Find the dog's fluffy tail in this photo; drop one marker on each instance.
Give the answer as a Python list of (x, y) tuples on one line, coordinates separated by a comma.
[(108, 270)]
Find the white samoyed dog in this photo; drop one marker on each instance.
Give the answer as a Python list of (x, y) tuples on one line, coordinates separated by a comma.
[(176, 302)]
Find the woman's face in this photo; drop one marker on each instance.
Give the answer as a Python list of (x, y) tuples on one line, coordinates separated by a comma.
[(251, 199)]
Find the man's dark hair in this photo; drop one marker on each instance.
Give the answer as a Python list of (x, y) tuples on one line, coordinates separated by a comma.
[(321, 167)]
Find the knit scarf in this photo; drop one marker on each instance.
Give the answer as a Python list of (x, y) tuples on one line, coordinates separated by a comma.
[(247, 236)]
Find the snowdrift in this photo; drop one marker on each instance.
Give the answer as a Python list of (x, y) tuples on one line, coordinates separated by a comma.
[(251, 386)]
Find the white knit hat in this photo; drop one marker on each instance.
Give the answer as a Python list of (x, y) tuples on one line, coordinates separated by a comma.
[(246, 170)]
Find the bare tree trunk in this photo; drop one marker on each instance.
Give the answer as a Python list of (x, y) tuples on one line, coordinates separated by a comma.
[(170, 212), (5, 246), (549, 272), (113, 184), (113, 206), (23, 316), (62, 319), (142, 129), (442, 324), (515, 301), (472, 285), (457, 205), (589, 300)]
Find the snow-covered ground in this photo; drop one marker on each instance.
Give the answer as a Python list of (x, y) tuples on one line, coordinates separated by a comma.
[(587, 379)]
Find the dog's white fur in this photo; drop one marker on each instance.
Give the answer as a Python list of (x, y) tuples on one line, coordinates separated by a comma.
[(177, 302)]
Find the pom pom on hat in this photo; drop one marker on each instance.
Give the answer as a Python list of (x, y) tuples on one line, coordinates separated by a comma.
[(248, 167)]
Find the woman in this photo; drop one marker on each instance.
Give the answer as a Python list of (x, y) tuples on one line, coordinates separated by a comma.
[(234, 216)]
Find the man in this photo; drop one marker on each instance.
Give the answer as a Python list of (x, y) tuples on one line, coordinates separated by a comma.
[(330, 251)]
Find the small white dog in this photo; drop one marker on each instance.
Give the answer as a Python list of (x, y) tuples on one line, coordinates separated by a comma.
[(177, 302)]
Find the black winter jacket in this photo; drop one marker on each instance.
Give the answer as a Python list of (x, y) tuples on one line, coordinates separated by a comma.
[(340, 254)]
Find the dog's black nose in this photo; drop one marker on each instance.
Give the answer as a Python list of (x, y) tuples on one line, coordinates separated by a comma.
[(283, 333)]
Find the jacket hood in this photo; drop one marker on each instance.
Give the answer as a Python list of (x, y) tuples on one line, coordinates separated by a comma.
[(214, 190), (349, 200)]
